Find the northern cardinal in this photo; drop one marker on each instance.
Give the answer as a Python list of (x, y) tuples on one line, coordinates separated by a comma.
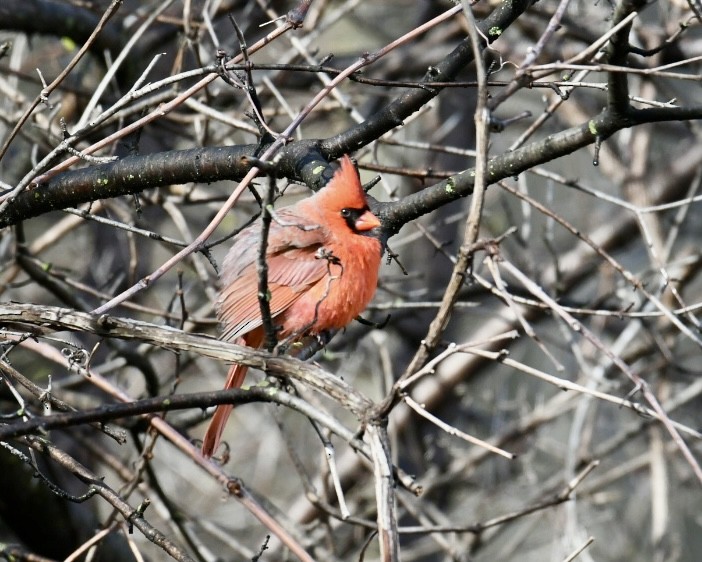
[(323, 261)]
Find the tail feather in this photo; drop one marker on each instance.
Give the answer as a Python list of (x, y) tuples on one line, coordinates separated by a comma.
[(235, 378), (213, 435)]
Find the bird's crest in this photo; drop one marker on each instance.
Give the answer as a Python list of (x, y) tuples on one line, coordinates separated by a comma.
[(345, 189)]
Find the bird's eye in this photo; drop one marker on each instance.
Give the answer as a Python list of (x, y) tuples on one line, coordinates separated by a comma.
[(345, 213)]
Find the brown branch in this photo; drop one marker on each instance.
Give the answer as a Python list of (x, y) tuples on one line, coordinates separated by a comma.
[(38, 319), (133, 516)]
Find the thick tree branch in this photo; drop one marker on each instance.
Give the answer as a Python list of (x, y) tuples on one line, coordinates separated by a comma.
[(38, 319), (302, 160), (510, 164), (158, 404), (72, 188), (618, 53)]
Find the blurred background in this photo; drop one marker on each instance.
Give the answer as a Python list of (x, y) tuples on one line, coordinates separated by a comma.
[(610, 233)]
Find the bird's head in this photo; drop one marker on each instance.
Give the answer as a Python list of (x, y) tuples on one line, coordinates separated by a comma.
[(343, 199)]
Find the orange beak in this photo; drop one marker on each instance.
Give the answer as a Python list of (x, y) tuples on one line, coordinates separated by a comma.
[(367, 221)]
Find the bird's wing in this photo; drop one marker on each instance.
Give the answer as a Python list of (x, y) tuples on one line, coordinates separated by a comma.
[(292, 269)]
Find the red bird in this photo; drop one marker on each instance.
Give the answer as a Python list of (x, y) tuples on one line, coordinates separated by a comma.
[(323, 261)]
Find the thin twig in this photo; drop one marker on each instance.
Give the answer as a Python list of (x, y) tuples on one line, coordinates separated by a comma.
[(107, 15), (636, 379), (454, 431)]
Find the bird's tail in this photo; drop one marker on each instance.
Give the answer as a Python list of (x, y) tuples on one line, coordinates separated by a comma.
[(235, 378)]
